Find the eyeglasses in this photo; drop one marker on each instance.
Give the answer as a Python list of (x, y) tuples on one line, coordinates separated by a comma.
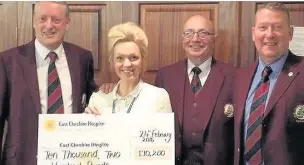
[(202, 34)]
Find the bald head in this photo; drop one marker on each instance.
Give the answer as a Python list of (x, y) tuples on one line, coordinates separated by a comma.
[(198, 39), (198, 22)]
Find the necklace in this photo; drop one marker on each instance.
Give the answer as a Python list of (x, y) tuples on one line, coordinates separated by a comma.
[(130, 106)]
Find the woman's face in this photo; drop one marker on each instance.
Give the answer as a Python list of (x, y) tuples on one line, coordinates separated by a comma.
[(127, 61)]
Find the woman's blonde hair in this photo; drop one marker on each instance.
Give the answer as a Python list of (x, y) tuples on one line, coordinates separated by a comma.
[(127, 32)]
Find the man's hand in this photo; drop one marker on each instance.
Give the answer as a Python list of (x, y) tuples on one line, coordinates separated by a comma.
[(107, 87)]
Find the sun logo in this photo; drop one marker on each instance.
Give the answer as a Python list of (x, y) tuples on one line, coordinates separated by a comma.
[(50, 125)]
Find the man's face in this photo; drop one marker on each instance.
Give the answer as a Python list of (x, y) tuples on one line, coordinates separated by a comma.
[(271, 34), (198, 38), (50, 23)]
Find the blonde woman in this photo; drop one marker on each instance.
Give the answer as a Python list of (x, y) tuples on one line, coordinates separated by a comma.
[(128, 44)]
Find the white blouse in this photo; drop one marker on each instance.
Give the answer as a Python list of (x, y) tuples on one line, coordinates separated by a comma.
[(144, 98)]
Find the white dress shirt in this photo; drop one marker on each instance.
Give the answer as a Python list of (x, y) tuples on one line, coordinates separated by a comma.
[(42, 62), (147, 99), (205, 67)]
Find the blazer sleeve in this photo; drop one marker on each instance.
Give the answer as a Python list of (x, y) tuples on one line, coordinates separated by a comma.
[(4, 101), (90, 83), (159, 79), (163, 101)]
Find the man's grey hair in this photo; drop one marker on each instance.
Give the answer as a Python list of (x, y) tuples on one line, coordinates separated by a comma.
[(278, 6), (65, 4)]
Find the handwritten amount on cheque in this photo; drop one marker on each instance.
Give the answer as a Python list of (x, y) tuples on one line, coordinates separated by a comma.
[(93, 157), (96, 154)]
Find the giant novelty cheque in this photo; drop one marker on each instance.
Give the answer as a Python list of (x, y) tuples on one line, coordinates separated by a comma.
[(114, 139)]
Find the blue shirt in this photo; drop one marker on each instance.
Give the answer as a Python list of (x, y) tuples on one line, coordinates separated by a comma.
[(276, 69)]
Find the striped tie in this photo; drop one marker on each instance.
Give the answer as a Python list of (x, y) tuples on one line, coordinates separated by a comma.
[(253, 154), (55, 102), (196, 83)]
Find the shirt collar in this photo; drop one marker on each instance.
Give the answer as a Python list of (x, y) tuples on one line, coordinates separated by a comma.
[(276, 66), (205, 66), (133, 94), (43, 51)]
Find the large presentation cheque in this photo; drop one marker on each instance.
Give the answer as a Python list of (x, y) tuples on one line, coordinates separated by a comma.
[(118, 139)]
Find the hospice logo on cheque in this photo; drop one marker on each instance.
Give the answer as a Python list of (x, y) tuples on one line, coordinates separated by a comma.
[(50, 125)]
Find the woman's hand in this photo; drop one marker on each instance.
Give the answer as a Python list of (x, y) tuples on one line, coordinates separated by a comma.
[(92, 110)]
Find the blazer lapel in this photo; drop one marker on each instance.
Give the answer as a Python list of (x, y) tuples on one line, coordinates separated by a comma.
[(180, 81), (242, 90), (29, 67), (288, 74), (214, 82), (74, 68)]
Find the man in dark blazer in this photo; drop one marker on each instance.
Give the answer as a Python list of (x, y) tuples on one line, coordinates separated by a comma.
[(204, 120), (24, 90), (269, 95)]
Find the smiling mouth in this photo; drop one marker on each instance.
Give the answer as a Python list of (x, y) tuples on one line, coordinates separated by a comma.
[(196, 46), (127, 71), (49, 34), (270, 44)]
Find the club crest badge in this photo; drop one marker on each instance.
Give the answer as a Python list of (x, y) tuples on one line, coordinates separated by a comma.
[(299, 113), (228, 110)]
